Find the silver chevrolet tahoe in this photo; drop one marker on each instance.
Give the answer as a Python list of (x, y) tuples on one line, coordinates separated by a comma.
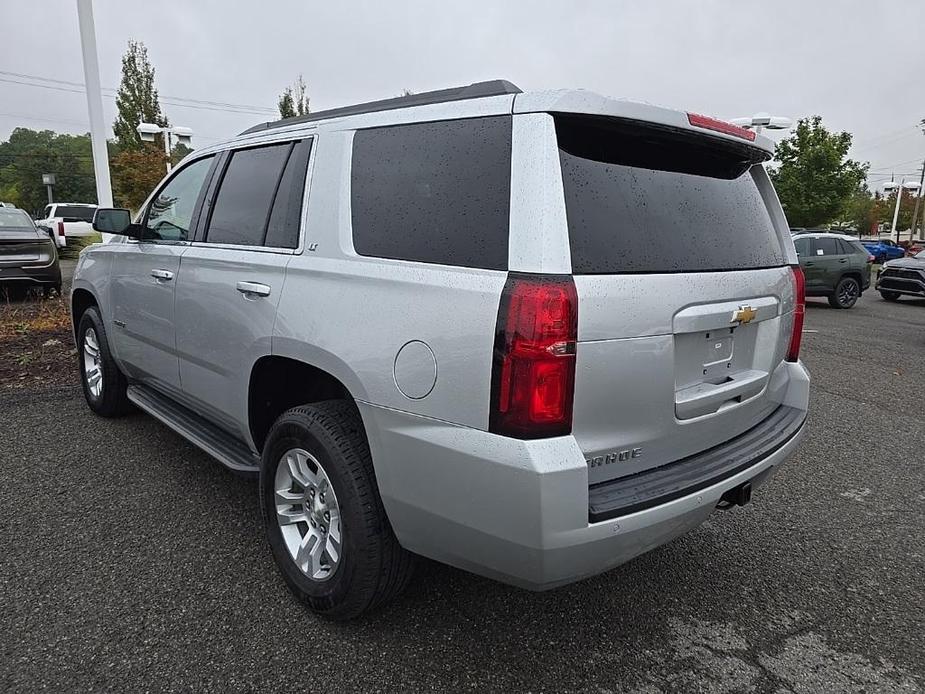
[(531, 335)]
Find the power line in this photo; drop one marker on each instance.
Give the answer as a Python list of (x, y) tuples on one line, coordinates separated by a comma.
[(80, 85)]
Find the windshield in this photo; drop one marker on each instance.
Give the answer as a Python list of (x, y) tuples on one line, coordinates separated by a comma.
[(11, 218), (920, 255), (73, 213)]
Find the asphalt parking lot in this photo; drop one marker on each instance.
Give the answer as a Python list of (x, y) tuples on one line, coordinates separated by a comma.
[(130, 561)]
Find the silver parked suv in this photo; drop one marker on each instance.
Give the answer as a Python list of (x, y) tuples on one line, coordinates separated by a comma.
[(529, 335)]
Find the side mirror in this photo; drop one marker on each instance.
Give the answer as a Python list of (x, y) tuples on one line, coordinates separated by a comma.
[(114, 221)]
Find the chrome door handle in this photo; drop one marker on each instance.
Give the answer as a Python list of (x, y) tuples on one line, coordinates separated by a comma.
[(162, 275), (253, 288)]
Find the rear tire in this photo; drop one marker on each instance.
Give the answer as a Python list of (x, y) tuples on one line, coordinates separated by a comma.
[(104, 385), (847, 292), (888, 295), (321, 448)]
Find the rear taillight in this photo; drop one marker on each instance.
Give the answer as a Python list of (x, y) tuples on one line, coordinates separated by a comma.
[(60, 228), (870, 259), (720, 126), (799, 309), (533, 371)]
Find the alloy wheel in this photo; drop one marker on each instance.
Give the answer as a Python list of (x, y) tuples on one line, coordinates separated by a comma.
[(93, 367), (308, 514)]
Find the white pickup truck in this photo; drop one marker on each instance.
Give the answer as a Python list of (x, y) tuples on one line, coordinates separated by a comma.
[(68, 220)]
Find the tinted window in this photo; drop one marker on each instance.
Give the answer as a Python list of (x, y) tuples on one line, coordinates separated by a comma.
[(170, 214), (73, 213), (802, 246), (640, 199), (827, 247), (286, 217), (856, 247), (242, 207), (434, 192)]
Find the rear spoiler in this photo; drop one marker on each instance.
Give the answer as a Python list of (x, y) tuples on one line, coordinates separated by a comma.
[(582, 102)]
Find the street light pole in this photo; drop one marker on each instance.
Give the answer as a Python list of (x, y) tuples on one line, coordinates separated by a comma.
[(147, 131), (94, 104), (899, 188)]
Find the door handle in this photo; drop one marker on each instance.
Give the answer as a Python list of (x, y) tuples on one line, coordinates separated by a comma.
[(809, 264), (843, 260), (162, 275), (253, 288)]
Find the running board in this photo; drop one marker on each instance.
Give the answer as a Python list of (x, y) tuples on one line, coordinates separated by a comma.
[(195, 429)]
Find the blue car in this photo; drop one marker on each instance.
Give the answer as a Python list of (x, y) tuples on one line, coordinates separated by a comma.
[(884, 250)]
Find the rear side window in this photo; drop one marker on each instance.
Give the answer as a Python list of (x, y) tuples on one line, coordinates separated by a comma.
[(827, 247), (802, 246), (286, 217), (855, 247), (642, 199), (434, 192), (242, 206)]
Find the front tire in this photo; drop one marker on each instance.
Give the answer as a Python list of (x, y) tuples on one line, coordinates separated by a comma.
[(847, 292), (104, 385), (888, 295), (324, 519)]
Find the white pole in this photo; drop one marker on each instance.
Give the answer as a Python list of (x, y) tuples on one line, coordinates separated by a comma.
[(94, 105), (899, 196), (166, 132)]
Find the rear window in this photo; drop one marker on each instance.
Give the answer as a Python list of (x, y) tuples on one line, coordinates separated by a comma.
[(14, 219), (73, 213), (434, 192), (642, 199)]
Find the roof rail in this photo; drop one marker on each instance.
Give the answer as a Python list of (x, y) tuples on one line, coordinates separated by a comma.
[(476, 90)]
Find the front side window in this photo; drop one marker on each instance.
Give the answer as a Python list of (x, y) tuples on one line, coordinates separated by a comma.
[(170, 214), (802, 246), (434, 192)]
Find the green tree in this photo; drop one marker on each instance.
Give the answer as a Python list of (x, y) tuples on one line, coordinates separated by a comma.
[(294, 100), (137, 100), (814, 178), (135, 174), (30, 153)]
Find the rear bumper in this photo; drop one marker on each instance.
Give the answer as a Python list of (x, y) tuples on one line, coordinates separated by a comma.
[(49, 274), (520, 511)]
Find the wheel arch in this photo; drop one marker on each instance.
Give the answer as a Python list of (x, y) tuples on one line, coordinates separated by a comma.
[(81, 300), (278, 383)]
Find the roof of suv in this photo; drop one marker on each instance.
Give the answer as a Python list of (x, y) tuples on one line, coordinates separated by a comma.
[(496, 97), (824, 234)]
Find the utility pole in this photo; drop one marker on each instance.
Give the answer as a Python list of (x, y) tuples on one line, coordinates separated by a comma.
[(94, 104), (918, 200)]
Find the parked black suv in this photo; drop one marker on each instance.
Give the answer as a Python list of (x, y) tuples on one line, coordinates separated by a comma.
[(835, 266), (903, 276)]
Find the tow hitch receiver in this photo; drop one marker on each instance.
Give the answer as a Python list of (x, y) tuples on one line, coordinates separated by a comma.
[(737, 496)]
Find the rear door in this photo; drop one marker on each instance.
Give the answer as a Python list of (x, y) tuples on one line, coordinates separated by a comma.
[(232, 276), (685, 293), (828, 263)]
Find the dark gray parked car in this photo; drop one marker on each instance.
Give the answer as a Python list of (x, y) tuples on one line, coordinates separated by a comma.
[(902, 276), (28, 257)]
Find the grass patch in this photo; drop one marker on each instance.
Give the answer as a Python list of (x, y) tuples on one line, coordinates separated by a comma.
[(75, 245), (36, 347)]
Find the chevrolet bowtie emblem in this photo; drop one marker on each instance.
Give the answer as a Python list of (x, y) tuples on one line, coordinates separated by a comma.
[(745, 314)]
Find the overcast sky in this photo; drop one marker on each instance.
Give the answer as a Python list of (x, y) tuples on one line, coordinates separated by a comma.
[(859, 64)]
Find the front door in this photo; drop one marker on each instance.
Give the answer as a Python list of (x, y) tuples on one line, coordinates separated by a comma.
[(144, 275)]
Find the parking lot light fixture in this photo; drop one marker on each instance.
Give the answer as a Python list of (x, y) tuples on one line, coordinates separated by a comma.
[(899, 188), (147, 131), (760, 121)]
